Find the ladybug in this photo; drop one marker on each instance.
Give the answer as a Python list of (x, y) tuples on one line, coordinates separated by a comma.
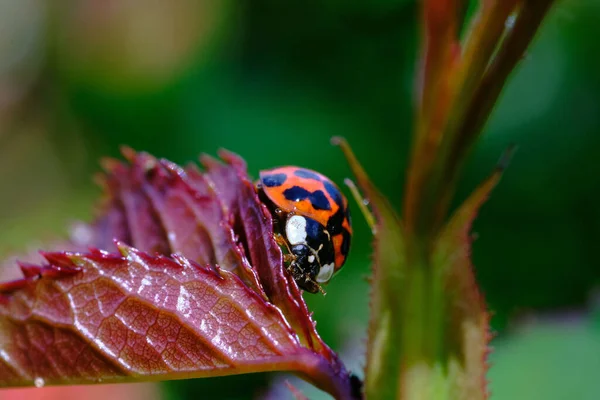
[(311, 222)]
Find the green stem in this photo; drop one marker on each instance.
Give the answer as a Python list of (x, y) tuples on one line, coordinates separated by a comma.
[(428, 190), (423, 309), (486, 94), (438, 56)]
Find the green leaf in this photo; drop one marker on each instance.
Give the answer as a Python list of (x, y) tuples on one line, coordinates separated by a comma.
[(444, 322), (382, 371), (463, 316), (428, 332)]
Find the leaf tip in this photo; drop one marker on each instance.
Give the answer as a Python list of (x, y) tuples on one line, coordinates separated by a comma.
[(126, 251), (60, 260), (506, 157), (232, 158), (128, 152), (173, 168), (29, 270), (339, 141), (207, 161), (361, 176), (109, 164)]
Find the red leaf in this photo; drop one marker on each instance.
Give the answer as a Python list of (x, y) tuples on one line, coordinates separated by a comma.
[(201, 292), (264, 253), (157, 207), (139, 316)]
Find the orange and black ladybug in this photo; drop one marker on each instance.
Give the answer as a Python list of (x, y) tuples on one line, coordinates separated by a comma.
[(311, 221)]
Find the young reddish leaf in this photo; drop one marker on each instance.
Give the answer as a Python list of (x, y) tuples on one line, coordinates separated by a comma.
[(111, 317), (263, 251), (156, 206), (202, 291)]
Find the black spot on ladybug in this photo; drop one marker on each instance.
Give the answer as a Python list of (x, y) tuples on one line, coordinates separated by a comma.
[(274, 180), (334, 224), (313, 228), (317, 198), (304, 173), (346, 242), (334, 193), (319, 201), (349, 216)]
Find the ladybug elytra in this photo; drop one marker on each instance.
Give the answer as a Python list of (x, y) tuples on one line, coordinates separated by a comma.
[(311, 222)]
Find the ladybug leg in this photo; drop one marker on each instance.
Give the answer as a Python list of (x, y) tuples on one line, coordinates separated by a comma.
[(290, 263), (289, 258), (280, 240), (307, 278)]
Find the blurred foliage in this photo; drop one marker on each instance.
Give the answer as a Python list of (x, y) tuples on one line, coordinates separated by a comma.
[(558, 358), (273, 81)]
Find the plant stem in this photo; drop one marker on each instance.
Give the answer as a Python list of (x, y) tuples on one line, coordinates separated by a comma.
[(464, 89), (486, 94), (439, 55)]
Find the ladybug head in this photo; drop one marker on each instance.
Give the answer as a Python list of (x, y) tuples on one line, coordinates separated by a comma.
[(313, 249)]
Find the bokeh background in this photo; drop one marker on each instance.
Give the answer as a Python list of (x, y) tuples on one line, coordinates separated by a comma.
[(273, 81)]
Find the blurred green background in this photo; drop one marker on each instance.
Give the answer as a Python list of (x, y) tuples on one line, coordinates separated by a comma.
[(273, 80)]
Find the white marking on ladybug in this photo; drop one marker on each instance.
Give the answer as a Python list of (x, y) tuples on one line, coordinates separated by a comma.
[(325, 273), (295, 230), (311, 259)]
